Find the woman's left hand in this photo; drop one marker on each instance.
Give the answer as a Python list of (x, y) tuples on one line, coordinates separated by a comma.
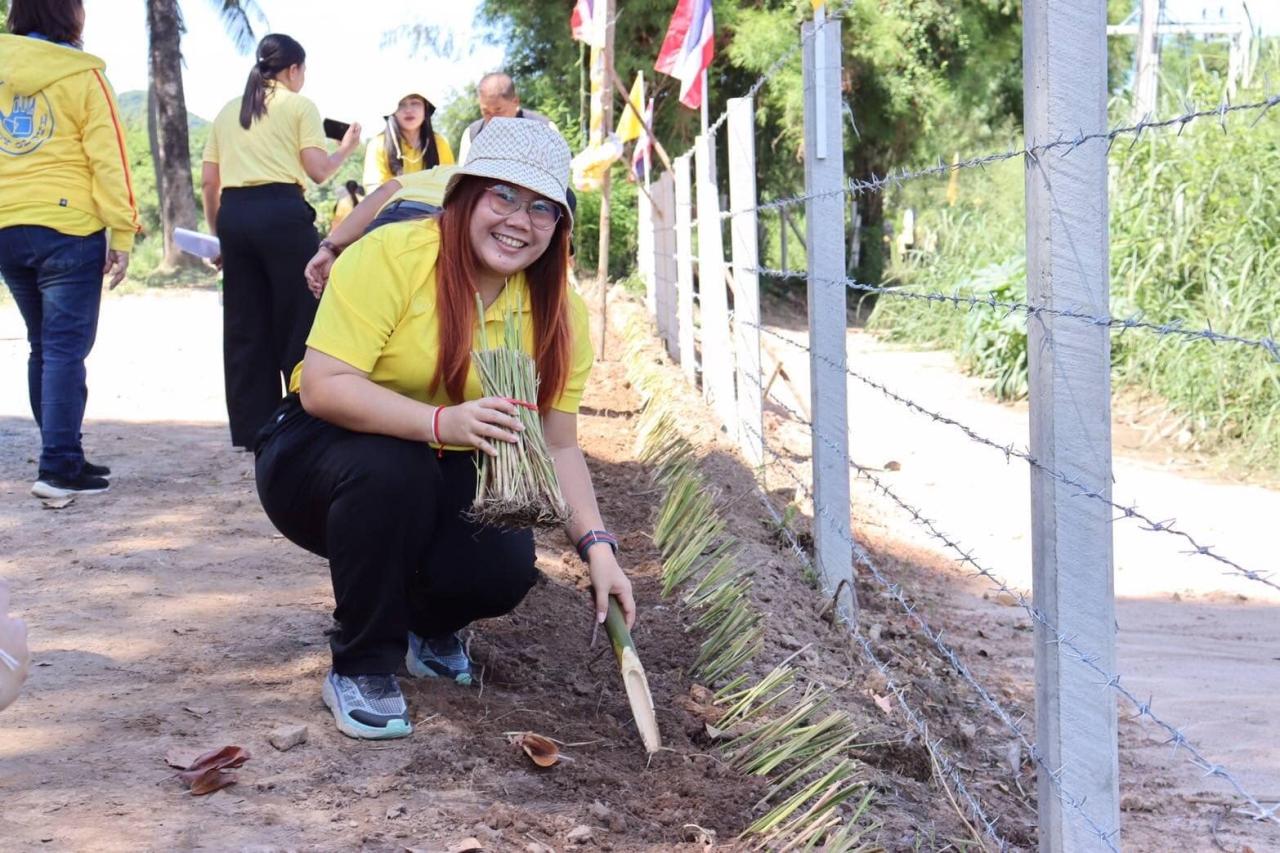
[(116, 265), (607, 579)]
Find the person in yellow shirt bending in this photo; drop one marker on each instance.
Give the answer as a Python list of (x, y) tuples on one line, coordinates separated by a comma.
[(408, 145), (261, 150), (371, 464), (68, 215), (413, 196)]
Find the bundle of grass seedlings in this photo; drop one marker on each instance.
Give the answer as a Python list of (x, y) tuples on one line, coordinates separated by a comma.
[(518, 487)]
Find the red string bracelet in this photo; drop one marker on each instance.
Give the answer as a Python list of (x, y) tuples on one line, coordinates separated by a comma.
[(533, 407), (435, 428)]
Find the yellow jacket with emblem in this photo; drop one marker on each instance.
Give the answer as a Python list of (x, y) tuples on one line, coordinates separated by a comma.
[(63, 162)]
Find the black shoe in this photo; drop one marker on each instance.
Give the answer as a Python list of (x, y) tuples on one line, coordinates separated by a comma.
[(62, 487), (91, 470)]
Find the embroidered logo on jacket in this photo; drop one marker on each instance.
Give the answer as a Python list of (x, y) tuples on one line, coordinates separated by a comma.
[(26, 121)]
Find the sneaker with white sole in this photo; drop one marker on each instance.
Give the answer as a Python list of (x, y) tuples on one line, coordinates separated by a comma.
[(438, 657), (50, 486), (370, 707)]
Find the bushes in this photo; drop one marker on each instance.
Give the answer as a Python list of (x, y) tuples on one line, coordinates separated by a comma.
[(1194, 238)]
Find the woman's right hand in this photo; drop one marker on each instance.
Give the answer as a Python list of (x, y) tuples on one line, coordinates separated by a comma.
[(351, 139), (15, 659), (479, 423), (317, 271)]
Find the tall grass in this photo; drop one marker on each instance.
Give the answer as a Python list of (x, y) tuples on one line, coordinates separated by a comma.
[(1195, 237)]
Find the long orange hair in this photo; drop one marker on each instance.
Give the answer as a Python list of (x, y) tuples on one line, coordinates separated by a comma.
[(456, 272)]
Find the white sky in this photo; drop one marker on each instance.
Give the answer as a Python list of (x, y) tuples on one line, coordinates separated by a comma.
[(350, 75), (1265, 13)]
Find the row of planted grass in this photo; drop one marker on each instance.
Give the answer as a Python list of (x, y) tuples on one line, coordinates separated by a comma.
[(1195, 238)]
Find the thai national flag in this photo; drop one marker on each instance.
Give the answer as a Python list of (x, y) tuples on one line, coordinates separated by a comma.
[(588, 22), (688, 48)]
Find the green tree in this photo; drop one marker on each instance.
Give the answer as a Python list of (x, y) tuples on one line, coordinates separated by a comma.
[(167, 109), (922, 79)]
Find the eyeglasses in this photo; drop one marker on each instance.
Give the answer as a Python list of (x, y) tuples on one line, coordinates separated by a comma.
[(505, 200)]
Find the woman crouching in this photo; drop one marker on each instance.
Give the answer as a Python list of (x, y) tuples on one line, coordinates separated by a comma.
[(369, 461)]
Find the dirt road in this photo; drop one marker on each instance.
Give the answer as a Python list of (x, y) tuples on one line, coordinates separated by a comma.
[(169, 618), (1205, 644)]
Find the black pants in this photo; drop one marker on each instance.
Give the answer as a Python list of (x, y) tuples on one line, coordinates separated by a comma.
[(268, 234), (388, 515)]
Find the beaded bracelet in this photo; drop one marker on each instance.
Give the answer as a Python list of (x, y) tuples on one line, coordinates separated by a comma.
[(593, 537)]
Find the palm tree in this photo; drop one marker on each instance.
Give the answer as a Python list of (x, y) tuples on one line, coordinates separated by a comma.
[(167, 109)]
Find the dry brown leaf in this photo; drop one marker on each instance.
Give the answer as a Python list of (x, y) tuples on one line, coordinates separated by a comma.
[(211, 771), (467, 845), (228, 756), (715, 733), (207, 781), (542, 751), (883, 703), (58, 503)]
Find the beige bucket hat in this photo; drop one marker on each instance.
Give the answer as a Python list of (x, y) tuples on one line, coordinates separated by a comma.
[(519, 151)]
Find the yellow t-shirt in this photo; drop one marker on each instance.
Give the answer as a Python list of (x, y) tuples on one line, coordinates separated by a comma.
[(378, 314), (425, 187), (270, 151), (376, 170)]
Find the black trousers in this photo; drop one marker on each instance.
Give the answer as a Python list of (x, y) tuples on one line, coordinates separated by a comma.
[(388, 515), (268, 234)]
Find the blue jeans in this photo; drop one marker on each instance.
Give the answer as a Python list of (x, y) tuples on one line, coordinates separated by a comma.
[(56, 279)]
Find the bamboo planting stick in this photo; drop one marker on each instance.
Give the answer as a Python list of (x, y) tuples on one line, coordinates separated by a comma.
[(633, 677)]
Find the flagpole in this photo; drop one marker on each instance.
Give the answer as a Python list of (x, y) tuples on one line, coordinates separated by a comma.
[(706, 98), (602, 272)]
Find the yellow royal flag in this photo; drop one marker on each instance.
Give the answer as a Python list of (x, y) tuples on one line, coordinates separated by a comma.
[(818, 4), (630, 127)]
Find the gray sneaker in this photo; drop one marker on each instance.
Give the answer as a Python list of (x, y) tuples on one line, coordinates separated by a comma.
[(367, 706), (438, 657)]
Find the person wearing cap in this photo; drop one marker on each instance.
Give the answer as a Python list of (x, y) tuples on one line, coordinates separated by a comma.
[(496, 94), (408, 145), (261, 150), (68, 216), (370, 462)]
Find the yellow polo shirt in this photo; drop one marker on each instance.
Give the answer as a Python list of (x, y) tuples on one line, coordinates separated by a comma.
[(377, 171), (378, 314), (270, 151)]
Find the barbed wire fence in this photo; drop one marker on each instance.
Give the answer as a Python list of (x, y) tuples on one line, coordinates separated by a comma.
[(689, 280)]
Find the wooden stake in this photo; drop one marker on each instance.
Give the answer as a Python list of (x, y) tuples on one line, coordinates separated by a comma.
[(633, 677)]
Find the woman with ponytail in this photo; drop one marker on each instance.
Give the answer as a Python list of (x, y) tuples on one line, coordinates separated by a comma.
[(409, 144), (370, 462), (262, 148)]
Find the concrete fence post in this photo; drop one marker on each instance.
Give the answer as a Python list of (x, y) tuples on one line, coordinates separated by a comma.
[(744, 232), (684, 268), (717, 347), (1065, 79), (828, 381)]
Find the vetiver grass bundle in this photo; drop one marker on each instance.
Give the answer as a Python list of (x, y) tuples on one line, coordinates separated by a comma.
[(518, 487)]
